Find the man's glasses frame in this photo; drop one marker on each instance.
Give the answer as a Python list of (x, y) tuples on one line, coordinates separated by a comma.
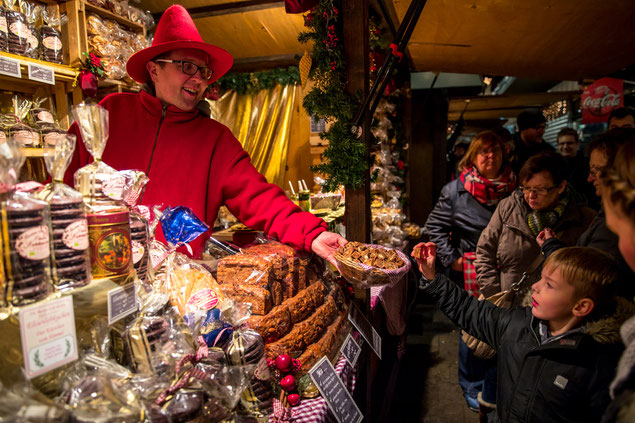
[(190, 68)]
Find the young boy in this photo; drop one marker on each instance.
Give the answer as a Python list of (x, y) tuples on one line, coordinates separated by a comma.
[(556, 358)]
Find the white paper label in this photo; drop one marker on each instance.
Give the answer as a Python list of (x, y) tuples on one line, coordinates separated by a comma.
[(20, 29), (33, 244), (75, 235), (45, 116), (137, 251), (24, 137), (113, 187), (32, 40), (52, 138), (48, 335), (41, 73), (3, 24), (52, 43)]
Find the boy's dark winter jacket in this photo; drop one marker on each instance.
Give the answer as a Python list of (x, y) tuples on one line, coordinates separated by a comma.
[(564, 380)]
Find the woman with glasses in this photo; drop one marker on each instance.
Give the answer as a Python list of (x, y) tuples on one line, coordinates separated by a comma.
[(463, 210), (602, 151), (507, 247)]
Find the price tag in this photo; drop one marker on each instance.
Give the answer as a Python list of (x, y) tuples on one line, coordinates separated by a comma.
[(41, 73), (351, 350), (10, 67), (48, 335), (122, 301), (367, 330), (337, 397)]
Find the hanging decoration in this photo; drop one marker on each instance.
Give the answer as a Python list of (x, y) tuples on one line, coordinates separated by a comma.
[(244, 83), (88, 77), (305, 67), (344, 161)]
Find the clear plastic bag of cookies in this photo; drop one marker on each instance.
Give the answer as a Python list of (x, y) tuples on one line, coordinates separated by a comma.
[(25, 230), (4, 30), (51, 48), (95, 25)]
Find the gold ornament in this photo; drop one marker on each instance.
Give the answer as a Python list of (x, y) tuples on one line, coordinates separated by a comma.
[(305, 67)]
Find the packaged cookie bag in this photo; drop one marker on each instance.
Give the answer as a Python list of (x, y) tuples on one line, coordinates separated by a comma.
[(71, 254), (24, 235), (102, 188), (134, 184)]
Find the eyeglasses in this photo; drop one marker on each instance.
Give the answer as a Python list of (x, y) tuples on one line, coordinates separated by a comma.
[(595, 171), (190, 68), (538, 191), (566, 143)]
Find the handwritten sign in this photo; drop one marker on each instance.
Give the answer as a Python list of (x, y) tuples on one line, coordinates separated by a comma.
[(337, 397), (48, 335), (41, 73), (122, 301), (351, 350), (10, 67), (367, 330)]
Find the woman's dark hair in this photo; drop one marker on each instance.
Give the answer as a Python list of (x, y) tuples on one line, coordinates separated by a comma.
[(547, 161)]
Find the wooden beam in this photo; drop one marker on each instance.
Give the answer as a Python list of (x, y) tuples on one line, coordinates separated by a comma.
[(509, 101), (254, 64), (228, 8)]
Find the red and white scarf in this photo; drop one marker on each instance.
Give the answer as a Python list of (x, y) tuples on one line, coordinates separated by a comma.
[(486, 191)]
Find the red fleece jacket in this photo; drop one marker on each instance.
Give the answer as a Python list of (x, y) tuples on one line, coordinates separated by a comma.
[(194, 161)]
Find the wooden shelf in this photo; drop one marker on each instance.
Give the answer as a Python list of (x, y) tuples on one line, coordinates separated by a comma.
[(33, 152), (63, 73), (110, 15), (119, 85)]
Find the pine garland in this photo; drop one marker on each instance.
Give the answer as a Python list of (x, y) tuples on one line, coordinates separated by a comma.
[(345, 159), (252, 82)]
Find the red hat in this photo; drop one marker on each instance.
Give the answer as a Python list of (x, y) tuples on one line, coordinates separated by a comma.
[(176, 30)]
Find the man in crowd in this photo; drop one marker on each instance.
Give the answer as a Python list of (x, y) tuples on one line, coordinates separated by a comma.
[(190, 159), (528, 140), (624, 117), (577, 164)]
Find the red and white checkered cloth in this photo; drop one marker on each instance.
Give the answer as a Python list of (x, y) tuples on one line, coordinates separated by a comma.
[(469, 274), (316, 410)]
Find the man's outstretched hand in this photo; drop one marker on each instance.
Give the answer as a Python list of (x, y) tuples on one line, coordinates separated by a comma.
[(326, 244), (425, 253)]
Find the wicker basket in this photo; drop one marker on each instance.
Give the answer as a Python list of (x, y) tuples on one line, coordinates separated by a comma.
[(364, 276)]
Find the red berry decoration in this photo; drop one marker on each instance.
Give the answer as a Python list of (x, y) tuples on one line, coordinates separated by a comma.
[(287, 383), (284, 362), (294, 399)]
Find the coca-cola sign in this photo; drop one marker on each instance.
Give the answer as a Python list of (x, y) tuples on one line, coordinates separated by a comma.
[(601, 98)]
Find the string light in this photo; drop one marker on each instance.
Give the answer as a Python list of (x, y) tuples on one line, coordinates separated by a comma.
[(556, 110)]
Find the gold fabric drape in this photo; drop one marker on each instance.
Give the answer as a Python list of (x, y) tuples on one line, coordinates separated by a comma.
[(262, 123)]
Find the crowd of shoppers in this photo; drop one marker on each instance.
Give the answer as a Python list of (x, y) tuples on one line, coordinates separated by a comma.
[(521, 212)]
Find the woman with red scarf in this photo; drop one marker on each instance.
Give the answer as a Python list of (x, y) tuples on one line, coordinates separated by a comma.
[(463, 210)]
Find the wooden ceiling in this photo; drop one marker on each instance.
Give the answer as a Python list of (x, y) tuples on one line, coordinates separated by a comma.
[(550, 39)]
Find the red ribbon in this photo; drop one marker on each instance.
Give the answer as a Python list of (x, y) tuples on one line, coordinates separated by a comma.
[(193, 373), (395, 51)]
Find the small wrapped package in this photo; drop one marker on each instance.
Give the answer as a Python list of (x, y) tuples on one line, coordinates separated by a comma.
[(71, 254), (22, 403), (4, 30), (26, 135), (135, 182), (102, 188), (25, 235), (51, 48), (193, 290), (19, 32), (99, 390), (50, 133), (33, 13), (39, 115)]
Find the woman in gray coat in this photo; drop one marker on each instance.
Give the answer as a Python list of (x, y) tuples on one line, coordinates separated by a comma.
[(507, 247)]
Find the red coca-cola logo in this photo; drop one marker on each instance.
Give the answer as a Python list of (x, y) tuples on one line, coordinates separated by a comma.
[(600, 98)]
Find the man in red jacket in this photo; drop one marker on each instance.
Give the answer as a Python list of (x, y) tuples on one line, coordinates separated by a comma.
[(190, 159)]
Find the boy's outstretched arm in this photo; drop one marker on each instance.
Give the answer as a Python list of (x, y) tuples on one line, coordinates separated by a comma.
[(481, 319)]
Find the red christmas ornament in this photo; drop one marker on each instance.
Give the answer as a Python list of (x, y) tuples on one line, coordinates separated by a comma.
[(294, 399), (284, 362), (87, 83), (288, 383)]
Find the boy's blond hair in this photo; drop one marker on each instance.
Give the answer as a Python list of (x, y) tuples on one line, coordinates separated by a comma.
[(590, 271)]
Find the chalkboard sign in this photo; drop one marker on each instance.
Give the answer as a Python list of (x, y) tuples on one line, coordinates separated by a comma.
[(351, 350), (367, 330), (41, 73), (334, 392), (10, 67), (122, 301)]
